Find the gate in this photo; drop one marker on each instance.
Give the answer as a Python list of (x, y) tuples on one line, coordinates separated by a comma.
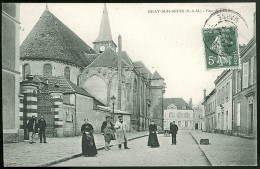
[(46, 108)]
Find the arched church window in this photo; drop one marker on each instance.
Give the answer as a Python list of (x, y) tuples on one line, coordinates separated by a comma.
[(67, 73), (26, 70), (47, 70)]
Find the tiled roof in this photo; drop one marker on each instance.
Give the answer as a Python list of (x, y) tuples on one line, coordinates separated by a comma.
[(178, 102), (156, 75), (126, 58), (143, 69), (52, 40), (108, 58), (66, 86), (91, 57)]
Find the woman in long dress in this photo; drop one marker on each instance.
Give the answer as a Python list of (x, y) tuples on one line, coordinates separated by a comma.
[(153, 140), (88, 142)]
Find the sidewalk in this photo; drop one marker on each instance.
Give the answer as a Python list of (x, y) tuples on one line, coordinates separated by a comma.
[(224, 150), (40, 154)]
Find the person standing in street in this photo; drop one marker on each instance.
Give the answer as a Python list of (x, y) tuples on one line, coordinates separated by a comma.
[(173, 130), (32, 129), (107, 129), (41, 127), (88, 142), (120, 127), (152, 139)]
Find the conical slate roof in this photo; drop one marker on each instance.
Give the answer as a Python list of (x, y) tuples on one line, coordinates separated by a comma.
[(108, 58), (104, 31), (156, 75), (50, 39)]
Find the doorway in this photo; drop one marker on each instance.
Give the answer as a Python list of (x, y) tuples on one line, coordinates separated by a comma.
[(196, 126), (250, 119)]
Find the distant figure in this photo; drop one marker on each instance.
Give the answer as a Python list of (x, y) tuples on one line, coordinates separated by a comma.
[(120, 127), (152, 139), (88, 142), (41, 128), (32, 129), (107, 129), (173, 130)]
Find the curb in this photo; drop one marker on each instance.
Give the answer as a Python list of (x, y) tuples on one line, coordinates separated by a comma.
[(80, 154), (208, 161)]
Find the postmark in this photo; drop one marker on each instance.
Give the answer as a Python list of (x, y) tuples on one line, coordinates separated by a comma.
[(221, 39)]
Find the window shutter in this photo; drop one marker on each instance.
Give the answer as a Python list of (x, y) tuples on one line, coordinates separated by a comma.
[(236, 81), (227, 91), (252, 71), (245, 75), (238, 114)]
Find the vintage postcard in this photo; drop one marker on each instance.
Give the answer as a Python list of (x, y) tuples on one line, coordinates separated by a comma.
[(129, 84)]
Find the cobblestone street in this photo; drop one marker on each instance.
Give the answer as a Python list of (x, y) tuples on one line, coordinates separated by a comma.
[(226, 150), (25, 154), (185, 153)]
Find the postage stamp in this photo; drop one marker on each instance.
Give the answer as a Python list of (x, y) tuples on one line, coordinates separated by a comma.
[(221, 47), (221, 38)]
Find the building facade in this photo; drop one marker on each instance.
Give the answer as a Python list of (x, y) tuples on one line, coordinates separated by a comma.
[(10, 72), (196, 117), (52, 50), (224, 108), (245, 92), (210, 111), (176, 109)]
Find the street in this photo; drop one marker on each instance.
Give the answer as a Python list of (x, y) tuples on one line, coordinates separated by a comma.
[(185, 153)]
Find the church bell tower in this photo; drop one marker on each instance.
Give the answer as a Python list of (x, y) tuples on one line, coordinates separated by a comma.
[(104, 38)]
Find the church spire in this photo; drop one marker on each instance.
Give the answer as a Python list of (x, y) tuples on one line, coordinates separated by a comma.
[(46, 8), (104, 31)]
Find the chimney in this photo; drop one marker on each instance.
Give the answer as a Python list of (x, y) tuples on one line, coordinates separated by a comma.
[(190, 103), (204, 94), (119, 43)]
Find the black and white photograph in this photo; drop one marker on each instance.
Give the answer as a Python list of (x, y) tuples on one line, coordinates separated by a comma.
[(129, 84)]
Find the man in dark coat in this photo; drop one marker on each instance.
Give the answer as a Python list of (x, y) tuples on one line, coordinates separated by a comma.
[(107, 129), (41, 128), (173, 131), (32, 129)]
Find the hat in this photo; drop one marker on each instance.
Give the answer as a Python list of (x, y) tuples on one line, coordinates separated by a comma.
[(107, 116)]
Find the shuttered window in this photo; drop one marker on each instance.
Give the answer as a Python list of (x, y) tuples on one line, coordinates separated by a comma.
[(227, 91), (252, 64), (238, 114), (245, 75), (238, 81)]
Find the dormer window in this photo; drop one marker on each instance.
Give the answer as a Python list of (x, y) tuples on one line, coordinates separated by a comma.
[(184, 107)]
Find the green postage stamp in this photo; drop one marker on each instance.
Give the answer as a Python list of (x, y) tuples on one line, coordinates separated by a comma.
[(221, 47)]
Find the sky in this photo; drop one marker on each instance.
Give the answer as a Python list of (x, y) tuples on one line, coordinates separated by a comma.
[(170, 43)]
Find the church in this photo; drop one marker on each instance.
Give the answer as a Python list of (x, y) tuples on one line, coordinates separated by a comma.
[(66, 80)]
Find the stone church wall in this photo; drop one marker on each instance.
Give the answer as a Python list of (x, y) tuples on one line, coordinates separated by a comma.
[(57, 68)]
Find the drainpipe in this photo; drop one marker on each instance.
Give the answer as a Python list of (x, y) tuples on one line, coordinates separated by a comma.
[(75, 116)]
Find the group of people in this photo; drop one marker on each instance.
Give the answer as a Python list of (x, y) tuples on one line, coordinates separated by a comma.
[(108, 129), (117, 132), (153, 140), (34, 127)]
